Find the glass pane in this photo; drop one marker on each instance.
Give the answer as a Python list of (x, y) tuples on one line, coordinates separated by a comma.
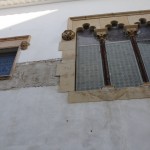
[(89, 72), (143, 41), (123, 68), (143, 32), (144, 46), (116, 34), (6, 62)]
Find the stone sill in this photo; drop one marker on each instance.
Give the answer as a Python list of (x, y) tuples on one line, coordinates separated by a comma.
[(109, 94)]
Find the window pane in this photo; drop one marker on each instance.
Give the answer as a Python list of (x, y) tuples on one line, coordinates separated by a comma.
[(143, 41), (144, 46), (6, 62), (89, 72), (124, 71)]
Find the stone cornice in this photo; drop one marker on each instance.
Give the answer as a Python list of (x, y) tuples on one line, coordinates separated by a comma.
[(108, 15), (19, 3)]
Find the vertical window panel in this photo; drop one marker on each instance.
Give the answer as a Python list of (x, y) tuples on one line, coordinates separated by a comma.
[(124, 71), (123, 67), (89, 72)]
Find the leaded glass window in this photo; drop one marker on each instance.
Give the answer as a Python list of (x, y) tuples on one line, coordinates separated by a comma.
[(89, 72), (7, 57), (123, 68), (119, 57)]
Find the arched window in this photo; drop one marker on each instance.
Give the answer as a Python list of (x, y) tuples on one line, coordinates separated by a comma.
[(89, 71), (123, 67)]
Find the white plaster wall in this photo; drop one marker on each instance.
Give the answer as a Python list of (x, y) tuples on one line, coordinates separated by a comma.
[(45, 23), (41, 119)]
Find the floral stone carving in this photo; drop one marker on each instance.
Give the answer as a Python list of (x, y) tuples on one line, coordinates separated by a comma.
[(68, 35)]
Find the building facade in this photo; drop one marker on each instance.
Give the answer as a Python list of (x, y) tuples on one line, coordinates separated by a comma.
[(35, 112)]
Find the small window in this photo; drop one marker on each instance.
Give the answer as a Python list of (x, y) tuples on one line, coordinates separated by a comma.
[(10, 48), (7, 59)]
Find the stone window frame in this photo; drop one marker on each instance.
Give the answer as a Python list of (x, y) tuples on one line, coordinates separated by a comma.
[(19, 42), (66, 69)]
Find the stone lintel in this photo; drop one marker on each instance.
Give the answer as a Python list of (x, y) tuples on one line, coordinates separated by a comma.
[(17, 41), (65, 69)]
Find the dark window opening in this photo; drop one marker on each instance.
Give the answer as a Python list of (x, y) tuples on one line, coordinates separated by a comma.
[(7, 57)]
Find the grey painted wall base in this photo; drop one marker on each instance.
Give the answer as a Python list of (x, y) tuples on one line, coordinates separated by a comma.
[(41, 119), (32, 74)]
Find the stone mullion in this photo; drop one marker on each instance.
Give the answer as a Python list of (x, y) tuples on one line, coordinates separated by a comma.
[(132, 33), (101, 34), (105, 62)]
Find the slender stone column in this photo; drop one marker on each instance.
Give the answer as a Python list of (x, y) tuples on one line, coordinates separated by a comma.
[(101, 33), (131, 30)]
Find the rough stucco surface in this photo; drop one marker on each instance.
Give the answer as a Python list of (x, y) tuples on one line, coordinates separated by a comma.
[(41, 119), (32, 74)]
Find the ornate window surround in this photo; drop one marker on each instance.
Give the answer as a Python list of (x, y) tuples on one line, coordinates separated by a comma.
[(66, 70), (18, 42)]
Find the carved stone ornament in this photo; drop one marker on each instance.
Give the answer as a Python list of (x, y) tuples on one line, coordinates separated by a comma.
[(24, 45), (68, 35), (101, 33), (131, 30)]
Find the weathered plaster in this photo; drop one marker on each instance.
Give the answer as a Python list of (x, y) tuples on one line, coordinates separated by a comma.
[(32, 74)]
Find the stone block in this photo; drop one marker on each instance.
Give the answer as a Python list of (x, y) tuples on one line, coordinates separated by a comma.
[(66, 68), (92, 22), (135, 18), (67, 83), (67, 45), (68, 55)]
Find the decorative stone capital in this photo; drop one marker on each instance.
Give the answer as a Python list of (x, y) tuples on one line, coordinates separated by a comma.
[(101, 33), (24, 45), (68, 35), (131, 30)]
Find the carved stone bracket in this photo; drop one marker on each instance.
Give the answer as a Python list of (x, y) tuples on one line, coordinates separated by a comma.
[(101, 33), (131, 30), (24, 45), (68, 35)]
